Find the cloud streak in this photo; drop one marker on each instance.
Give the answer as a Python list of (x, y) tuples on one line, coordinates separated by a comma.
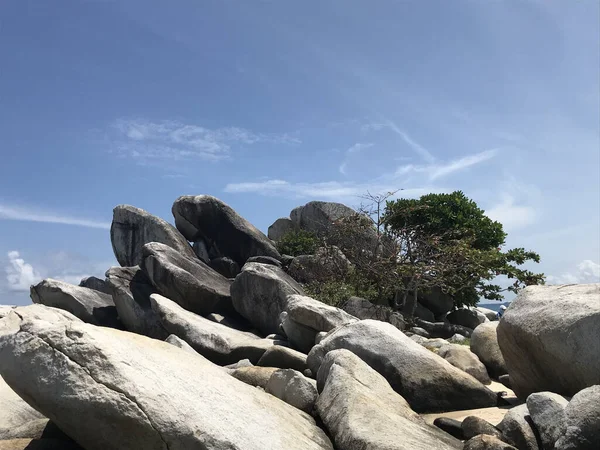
[(435, 171), (8, 212), (356, 148), (414, 145)]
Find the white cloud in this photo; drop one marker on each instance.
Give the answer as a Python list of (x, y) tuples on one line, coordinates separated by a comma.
[(356, 148), (19, 274), (435, 171), (511, 215), (146, 140), (587, 271), (418, 148), (30, 214)]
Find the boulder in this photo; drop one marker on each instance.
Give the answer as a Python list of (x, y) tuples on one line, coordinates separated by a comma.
[(188, 282), (547, 411), (264, 260), (38, 444), (327, 263), (550, 339), (280, 228), (364, 309), (437, 301), (426, 381), (253, 375), (283, 358), (14, 411), (469, 318), (450, 426), (473, 426), (457, 339), (300, 337), (34, 429), (133, 227), (225, 266), (315, 314), (201, 251), (318, 216), (96, 284), (259, 293), (218, 343), (180, 343), (489, 313), (505, 380), (518, 428), (421, 332), (293, 388), (423, 313), (581, 426), (89, 305), (484, 343), (442, 330), (208, 218), (362, 411), (131, 289), (240, 364), (15, 314), (461, 357), (487, 442), (109, 389)]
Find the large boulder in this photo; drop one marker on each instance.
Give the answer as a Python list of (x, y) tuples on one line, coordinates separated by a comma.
[(325, 264), (14, 412), (131, 289), (109, 389), (518, 429), (547, 412), (437, 301), (470, 318), (225, 266), (426, 381), (208, 218), (252, 375), (96, 284), (293, 388), (283, 358), (318, 216), (218, 343), (259, 293), (484, 343), (550, 339), (89, 305), (581, 425), (489, 313), (461, 357), (187, 281), (133, 227), (364, 309), (280, 228), (362, 411), (442, 330)]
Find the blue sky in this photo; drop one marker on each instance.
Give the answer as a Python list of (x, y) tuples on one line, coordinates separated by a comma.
[(270, 104)]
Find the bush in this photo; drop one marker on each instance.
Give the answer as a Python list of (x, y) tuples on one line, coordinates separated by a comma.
[(297, 243)]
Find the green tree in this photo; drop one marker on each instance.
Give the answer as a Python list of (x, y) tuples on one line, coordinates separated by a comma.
[(297, 243)]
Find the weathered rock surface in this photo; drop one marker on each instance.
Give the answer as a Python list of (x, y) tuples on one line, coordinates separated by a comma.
[(327, 263), (438, 302), (13, 410), (283, 358), (581, 427), (362, 411), (225, 266), (253, 375), (426, 381), (133, 227), (484, 343), (188, 282), (96, 284), (280, 228), (464, 359), (489, 313), (34, 429), (109, 389), (293, 388), (364, 309), (486, 442), (518, 428), (180, 343), (218, 343), (38, 444), (316, 315), (450, 426), (264, 260), (550, 339), (131, 289), (89, 305), (473, 426), (319, 216), (206, 217), (259, 293), (442, 330), (469, 318), (547, 412)]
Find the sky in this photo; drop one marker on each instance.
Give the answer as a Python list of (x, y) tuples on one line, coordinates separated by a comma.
[(270, 104)]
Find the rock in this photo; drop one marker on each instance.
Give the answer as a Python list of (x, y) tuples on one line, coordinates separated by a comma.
[(15, 314), (457, 339), (325, 264), (438, 302), (201, 251), (109, 389), (484, 343), (489, 313), (96, 284), (131, 289), (225, 266), (319, 336), (240, 364), (518, 428), (423, 313), (218, 343), (259, 293), (434, 344), (473, 426), (317, 216), (547, 412), (450, 426), (5, 310), (364, 309), (38, 444), (361, 411), (188, 282), (550, 339), (133, 227), (237, 322), (280, 228), (486, 442), (254, 375), (89, 305), (418, 331), (442, 330), (284, 358), (581, 427), (505, 380), (464, 359), (426, 381), (469, 318), (293, 388), (300, 337), (34, 429), (206, 217), (180, 343), (264, 260), (13, 410)]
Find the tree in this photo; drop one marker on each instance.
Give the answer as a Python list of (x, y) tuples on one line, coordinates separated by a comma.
[(299, 242)]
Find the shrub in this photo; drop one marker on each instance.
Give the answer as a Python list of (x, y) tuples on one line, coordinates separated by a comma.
[(297, 243)]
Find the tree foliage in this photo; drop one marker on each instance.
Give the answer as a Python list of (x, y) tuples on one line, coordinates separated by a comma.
[(299, 242)]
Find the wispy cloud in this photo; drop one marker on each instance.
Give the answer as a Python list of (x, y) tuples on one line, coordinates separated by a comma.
[(356, 148), (30, 214), (437, 170), (587, 271), (512, 215), (414, 145), (145, 140)]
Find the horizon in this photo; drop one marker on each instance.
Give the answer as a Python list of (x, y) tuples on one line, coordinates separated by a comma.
[(268, 106)]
